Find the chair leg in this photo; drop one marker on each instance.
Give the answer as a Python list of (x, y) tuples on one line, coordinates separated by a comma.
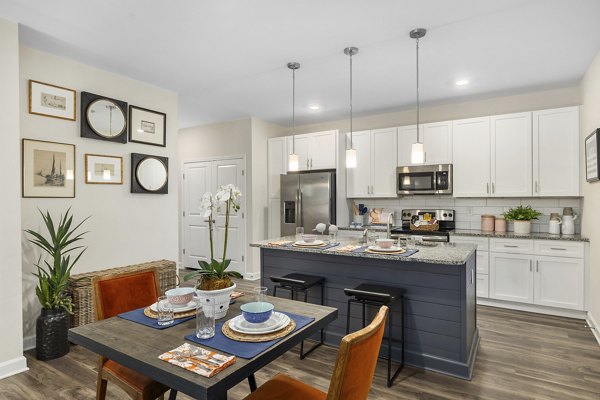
[(348, 317), (172, 394), (101, 386), (389, 361), (364, 310), (252, 382)]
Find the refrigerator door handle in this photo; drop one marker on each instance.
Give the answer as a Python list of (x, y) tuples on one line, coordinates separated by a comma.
[(299, 221)]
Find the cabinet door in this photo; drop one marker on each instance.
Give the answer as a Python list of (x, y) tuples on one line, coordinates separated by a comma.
[(483, 289), (471, 155), (556, 152), (300, 143), (277, 160), (559, 282), (274, 218), (437, 140), (407, 135), (322, 150), (383, 162), (511, 277), (358, 180), (511, 155)]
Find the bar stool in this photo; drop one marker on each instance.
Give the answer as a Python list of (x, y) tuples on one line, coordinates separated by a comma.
[(300, 283), (378, 295)]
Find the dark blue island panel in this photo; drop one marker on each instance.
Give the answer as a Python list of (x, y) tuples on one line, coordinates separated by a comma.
[(440, 303)]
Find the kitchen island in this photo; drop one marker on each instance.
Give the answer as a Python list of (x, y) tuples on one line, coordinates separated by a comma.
[(440, 303)]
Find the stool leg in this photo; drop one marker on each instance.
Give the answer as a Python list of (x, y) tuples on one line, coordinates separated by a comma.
[(403, 319), (364, 314), (389, 363), (348, 317), (306, 296), (322, 303), (275, 291)]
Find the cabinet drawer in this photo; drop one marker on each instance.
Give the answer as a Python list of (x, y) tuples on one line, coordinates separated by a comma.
[(516, 246), (483, 262), (559, 248), (483, 286), (481, 242)]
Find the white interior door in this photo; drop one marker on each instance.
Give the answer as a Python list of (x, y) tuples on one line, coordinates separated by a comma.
[(224, 173), (197, 179)]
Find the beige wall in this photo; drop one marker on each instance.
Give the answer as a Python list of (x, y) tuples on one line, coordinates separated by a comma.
[(11, 345), (125, 228), (590, 120)]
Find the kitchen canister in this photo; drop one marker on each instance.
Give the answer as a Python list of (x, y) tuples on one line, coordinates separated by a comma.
[(554, 224), (500, 224), (487, 223), (568, 224)]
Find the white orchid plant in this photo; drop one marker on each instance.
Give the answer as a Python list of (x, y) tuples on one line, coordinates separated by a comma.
[(213, 275)]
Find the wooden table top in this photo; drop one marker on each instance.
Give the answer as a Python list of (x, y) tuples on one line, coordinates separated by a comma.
[(137, 347)]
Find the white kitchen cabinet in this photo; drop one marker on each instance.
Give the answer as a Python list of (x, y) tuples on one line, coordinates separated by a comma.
[(556, 152), (274, 229), (315, 150), (511, 277), (511, 155), (559, 282), (375, 172), (407, 135), (483, 261), (483, 286), (437, 142), (277, 161), (471, 155)]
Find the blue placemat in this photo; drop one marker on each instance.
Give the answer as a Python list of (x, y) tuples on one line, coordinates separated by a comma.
[(408, 253), (244, 349), (139, 317)]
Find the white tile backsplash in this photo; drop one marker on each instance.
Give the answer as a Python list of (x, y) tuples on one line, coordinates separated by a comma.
[(469, 211)]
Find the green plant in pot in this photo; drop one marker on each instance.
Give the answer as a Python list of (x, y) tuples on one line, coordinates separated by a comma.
[(521, 217), (52, 325), (214, 280)]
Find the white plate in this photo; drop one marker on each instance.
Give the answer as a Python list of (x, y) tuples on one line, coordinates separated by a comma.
[(392, 249), (315, 243), (188, 307), (276, 322)]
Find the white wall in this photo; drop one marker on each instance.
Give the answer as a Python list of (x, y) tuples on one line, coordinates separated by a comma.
[(125, 228), (11, 345), (590, 120)]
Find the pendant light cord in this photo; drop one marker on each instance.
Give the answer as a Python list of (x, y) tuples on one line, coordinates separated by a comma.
[(294, 111), (418, 116), (351, 145)]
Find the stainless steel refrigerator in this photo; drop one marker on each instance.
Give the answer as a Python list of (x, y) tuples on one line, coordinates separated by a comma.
[(307, 199)]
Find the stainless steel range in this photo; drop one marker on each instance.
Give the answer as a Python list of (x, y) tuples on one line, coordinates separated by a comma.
[(445, 218)]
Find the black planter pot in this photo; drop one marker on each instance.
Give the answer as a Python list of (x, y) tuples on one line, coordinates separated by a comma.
[(52, 329)]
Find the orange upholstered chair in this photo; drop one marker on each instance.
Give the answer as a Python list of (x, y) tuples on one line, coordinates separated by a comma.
[(113, 295), (352, 376)]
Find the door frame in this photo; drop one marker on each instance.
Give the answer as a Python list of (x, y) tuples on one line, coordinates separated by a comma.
[(182, 231)]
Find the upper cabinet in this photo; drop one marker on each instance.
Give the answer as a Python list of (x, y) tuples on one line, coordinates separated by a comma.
[(277, 160), (375, 172), (556, 152), (436, 138), (471, 150), (315, 150)]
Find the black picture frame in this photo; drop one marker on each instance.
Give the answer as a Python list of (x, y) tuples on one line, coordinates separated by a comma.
[(87, 131), (136, 185), (592, 152), (156, 119)]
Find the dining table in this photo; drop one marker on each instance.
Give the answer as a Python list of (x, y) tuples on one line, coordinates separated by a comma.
[(138, 347)]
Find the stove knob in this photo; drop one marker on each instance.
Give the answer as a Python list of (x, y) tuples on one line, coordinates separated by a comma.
[(445, 215), (450, 215)]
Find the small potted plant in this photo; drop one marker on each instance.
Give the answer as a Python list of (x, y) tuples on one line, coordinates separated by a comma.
[(522, 217), (52, 326), (214, 281)]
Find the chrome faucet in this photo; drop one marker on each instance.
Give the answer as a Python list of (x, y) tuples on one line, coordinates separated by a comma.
[(365, 235), (390, 221)]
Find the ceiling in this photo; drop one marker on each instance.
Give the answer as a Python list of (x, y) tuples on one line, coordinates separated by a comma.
[(227, 59)]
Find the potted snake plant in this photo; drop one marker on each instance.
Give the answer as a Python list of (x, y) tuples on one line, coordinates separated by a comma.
[(521, 217), (213, 279), (52, 325)]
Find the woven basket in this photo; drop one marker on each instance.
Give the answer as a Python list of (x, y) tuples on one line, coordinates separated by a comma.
[(432, 227), (80, 287)]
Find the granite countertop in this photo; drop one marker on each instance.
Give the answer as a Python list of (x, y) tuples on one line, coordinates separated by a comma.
[(362, 228), (443, 253), (512, 235)]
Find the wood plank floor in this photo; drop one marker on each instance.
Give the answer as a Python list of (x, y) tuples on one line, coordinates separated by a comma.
[(521, 356)]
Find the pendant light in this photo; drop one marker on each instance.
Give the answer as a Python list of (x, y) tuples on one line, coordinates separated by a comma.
[(417, 154), (351, 152), (293, 158)]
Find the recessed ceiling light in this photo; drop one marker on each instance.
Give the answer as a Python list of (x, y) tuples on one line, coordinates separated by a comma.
[(314, 107), (462, 82)]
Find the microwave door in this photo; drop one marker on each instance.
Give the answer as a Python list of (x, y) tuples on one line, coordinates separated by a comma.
[(416, 183)]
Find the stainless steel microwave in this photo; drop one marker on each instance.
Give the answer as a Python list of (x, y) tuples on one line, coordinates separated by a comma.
[(424, 179)]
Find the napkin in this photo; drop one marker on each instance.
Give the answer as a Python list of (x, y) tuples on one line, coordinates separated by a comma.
[(198, 360)]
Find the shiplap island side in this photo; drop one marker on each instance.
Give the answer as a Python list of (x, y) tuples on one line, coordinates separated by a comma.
[(440, 301)]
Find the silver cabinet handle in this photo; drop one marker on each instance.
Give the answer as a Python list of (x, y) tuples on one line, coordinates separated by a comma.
[(536, 187), (472, 276), (558, 248), (493, 188), (530, 266), (537, 265), (511, 245), (307, 163), (487, 188), (311, 160)]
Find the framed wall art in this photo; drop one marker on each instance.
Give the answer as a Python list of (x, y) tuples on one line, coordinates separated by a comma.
[(147, 126), (103, 118), (592, 149), (48, 169), (149, 174), (102, 169), (52, 101)]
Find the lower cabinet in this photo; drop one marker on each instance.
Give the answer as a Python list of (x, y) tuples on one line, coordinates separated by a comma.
[(559, 282), (483, 288), (511, 277)]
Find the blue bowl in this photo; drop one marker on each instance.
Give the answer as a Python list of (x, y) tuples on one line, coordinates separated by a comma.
[(257, 312)]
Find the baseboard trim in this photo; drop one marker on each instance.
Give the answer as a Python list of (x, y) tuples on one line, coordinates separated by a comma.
[(29, 342), (13, 367), (593, 326), (252, 276), (560, 312)]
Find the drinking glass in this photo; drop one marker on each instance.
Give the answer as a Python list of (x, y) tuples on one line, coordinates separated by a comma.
[(371, 239), (411, 243), (260, 293), (332, 237), (299, 232), (205, 318), (165, 311)]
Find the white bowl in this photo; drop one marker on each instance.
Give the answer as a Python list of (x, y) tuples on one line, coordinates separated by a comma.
[(309, 238), (384, 243), (180, 296)]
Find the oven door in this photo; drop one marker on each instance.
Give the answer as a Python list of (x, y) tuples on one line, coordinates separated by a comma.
[(416, 182)]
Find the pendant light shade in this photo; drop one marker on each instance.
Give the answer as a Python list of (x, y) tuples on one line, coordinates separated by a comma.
[(293, 163), (417, 153), (351, 152)]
